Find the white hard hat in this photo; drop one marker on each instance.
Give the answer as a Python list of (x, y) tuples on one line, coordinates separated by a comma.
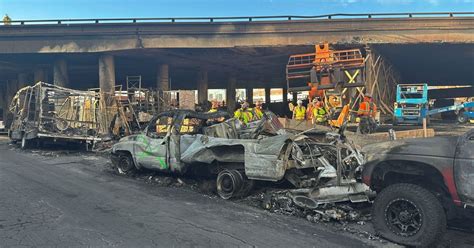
[(299, 102)]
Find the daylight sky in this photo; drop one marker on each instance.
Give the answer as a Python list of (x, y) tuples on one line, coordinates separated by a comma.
[(52, 9)]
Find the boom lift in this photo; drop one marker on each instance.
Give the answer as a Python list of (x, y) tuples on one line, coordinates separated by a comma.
[(326, 74), (464, 111)]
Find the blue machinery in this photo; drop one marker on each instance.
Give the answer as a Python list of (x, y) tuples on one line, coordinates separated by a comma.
[(464, 111), (411, 105)]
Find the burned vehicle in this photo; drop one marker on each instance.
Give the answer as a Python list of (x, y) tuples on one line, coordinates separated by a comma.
[(48, 112), (421, 183), (182, 140)]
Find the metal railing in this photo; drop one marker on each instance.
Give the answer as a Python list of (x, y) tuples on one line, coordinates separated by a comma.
[(242, 18)]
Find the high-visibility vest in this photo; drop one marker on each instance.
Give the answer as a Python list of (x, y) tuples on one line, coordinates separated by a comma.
[(319, 114), (318, 111), (367, 109), (309, 112), (243, 115), (300, 112), (258, 114), (212, 110)]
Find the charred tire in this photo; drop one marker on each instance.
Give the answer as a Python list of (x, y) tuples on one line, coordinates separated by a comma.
[(232, 184), (124, 164), (461, 118), (408, 214)]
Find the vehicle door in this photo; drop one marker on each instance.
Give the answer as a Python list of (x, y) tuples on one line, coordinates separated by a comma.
[(464, 167), (151, 148), (183, 133)]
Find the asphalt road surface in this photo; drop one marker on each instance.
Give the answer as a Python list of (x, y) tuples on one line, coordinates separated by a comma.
[(72, 202)]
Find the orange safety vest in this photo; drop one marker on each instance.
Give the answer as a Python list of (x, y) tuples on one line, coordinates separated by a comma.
[(367, 109)]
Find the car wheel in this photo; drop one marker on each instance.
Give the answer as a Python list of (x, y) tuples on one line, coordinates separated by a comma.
[(408, 214), (230, 183), (124, 164), (461, 118)]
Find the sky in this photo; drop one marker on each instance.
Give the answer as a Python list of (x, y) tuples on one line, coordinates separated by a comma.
[(64, 9)]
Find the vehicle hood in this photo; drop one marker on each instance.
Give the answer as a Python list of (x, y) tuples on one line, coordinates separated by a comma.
[(435, 146)]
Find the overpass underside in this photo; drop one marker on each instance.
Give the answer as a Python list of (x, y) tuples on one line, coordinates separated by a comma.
[(230, 56)]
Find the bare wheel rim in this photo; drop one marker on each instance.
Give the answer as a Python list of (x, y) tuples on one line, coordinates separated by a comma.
[(124, 164), (229, 183), (403, 217)]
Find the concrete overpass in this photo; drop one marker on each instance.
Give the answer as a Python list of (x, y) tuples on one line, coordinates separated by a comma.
[(75, 36), (243, 52)]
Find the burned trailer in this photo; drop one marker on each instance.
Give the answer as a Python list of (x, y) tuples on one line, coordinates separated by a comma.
[(180, 141), (48, 112)]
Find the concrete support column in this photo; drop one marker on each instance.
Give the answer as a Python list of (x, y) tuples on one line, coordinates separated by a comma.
[(249, 95), (107, 74), (230, 94), (40, 74), (163, 78), (22, 80), (202, 86), (162, 84), (107, 91), (267, 95), (285, 94), (60, 73), (295, 97)]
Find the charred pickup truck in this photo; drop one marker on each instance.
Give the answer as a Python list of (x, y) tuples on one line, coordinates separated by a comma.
[(180, 141), (421, 183)]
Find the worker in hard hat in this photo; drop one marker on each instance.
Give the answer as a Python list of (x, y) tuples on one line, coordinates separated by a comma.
[(7, 20), (244, 114), (299, 111), (367, 112), (309, 109), (319, 113), (214, 106), (258, 110), (367, 107)]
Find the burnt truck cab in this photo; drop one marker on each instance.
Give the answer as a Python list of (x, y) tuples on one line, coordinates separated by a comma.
[(420, 184)]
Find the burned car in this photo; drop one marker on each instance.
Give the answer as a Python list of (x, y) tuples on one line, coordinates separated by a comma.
[(179, 141), (421, 183)]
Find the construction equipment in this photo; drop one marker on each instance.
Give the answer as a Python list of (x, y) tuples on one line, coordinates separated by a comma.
[(464, 111), (328, 74), (411, 105), (325, 69)]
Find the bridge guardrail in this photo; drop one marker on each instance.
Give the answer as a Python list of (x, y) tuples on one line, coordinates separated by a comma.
[(240, 18)]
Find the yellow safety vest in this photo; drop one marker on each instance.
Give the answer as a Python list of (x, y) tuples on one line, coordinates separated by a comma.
[(300, 112), (319, 114), (242, 115)]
